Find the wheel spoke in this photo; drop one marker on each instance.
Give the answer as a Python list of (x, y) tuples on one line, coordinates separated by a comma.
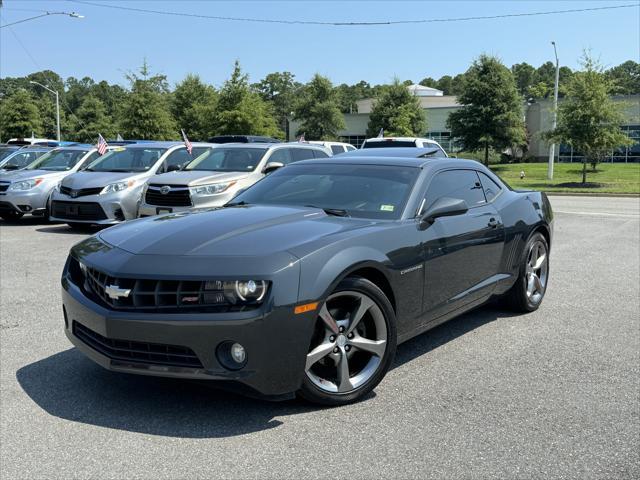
[(328, 320), (377, 347), (365, 304), (344, 380), (540, 261), (318, 353), (530, 285), (537, 283)]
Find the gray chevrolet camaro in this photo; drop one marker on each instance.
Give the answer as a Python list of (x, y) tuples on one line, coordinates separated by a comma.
[(307, 281)]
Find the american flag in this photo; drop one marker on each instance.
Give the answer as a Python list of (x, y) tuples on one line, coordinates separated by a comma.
[(102, 145), (381, 133), (187, 143)]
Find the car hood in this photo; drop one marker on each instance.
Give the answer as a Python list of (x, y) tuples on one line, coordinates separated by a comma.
[(18, 175), (254, 230), (193, 178), (98, 179)]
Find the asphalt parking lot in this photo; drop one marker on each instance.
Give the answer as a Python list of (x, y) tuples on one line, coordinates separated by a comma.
[(555, 393)]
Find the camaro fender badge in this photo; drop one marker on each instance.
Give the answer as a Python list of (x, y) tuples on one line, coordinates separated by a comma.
[(411, 269), (165, 189), (115, 292)]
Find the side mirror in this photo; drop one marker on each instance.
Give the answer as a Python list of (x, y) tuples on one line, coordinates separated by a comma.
[(443, 207), (272, 167), (173, 168)]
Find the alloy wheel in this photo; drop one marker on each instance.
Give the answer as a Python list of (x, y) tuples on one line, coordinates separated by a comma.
[(537, 269), (349, 342)]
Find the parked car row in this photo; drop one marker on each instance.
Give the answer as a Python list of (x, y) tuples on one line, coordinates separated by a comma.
[(78, 186)]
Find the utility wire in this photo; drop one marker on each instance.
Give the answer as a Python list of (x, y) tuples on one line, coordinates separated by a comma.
[(350, 24)]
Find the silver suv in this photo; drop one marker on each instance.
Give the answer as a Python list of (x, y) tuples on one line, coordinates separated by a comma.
[(108, 191), (214, 177)]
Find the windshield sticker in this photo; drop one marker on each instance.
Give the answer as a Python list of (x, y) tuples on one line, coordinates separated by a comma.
[(118, 149), (387, 208)]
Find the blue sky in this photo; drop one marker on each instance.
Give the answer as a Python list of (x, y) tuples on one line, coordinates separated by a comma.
[(107, 43)]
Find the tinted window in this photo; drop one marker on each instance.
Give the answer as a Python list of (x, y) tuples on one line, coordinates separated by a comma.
[(301, 154), (491, 188), (226, 159), (22, 159), (337, 149), (5, 152), (282, 155), (58, 160), (389, 143), (321, 154), (122, 159), (350, 148), (362, 190), (461, 184)]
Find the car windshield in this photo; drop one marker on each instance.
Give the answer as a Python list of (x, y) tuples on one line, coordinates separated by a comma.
[(367, 191), (6, 151), (58, 160), (123, 159), (21, 159), (389, 143), (228, 160)]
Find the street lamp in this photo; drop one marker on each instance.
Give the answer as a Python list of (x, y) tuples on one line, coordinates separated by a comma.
[(46, 14), (57, 105), (552, 147)]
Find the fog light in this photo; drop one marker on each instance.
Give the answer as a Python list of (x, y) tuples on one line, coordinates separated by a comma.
[(231, 355)]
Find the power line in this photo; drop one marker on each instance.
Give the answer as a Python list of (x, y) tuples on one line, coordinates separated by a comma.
[(350, 24)]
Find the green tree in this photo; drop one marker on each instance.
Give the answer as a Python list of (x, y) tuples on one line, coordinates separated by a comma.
[(492, 113), (319, 110), (398, 112), (625, 78), (588, 119), (19, 115), (90, 119), (524, 75), (429, 82), (243, 111), (348, 95), (194, 107), (145, 111), (279, 89)]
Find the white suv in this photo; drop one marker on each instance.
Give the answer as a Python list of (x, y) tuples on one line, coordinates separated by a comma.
[(335, 147), (215, 176), (387, 142)]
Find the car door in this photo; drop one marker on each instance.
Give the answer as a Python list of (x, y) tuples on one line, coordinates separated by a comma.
[(462, 252)]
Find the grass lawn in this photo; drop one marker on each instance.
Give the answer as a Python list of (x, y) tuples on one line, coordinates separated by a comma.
[(608, 177)]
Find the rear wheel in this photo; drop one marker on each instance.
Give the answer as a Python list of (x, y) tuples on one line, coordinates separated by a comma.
[(527, 293), (11, 215), (353, 344)]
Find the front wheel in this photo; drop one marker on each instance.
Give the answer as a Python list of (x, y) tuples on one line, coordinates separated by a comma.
[(353, 344), (527, 293)]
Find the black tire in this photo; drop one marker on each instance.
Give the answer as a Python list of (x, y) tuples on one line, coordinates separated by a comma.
[(11, 216), (312, 393), (517, 298)]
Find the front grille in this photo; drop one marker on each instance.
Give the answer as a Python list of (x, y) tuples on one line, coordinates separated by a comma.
[(82, 192), (4, 187), (177, 196), (77, 210), (154, 295), (138, 352)]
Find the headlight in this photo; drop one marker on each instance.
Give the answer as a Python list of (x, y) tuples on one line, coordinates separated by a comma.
[(25, 184), (117, 187), (212, 189), (243, 291)]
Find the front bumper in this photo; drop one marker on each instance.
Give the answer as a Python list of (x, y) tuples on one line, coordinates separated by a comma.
[(107, 209), (26, 201), (148, 210), (276, 341)]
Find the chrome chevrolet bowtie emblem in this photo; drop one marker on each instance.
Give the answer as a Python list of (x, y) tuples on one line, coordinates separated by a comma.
[(115, 292), (165, 189)]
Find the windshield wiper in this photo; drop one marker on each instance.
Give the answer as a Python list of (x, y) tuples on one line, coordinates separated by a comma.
[(235, 204), (336, 212)]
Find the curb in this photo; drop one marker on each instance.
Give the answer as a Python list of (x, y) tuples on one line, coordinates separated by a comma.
[(582, 194)]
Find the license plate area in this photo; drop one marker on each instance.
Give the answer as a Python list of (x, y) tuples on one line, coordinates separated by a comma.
[(160, 211)]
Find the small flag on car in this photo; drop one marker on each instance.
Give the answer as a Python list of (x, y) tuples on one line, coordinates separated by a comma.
[(119, 138), (102, 145), (187, 143), (301, 138), (381, 133)]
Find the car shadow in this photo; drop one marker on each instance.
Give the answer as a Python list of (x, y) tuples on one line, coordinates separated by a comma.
[(27, 220), (67, 230), (69, 386)]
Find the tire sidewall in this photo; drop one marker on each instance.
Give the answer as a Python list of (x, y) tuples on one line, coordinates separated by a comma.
[(522, 279), (311, 392)]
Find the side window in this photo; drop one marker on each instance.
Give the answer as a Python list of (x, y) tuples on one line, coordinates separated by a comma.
[(335, 149), (491, 188), (462, 184), (301, 154), (321, 154), (282, 155), (350, 148), (179, 157)]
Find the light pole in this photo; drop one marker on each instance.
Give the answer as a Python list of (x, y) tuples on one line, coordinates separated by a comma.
[(552, 147), (57, 105), (46, 14)]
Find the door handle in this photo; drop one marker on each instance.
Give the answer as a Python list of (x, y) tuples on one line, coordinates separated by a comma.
[(493, 223)]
